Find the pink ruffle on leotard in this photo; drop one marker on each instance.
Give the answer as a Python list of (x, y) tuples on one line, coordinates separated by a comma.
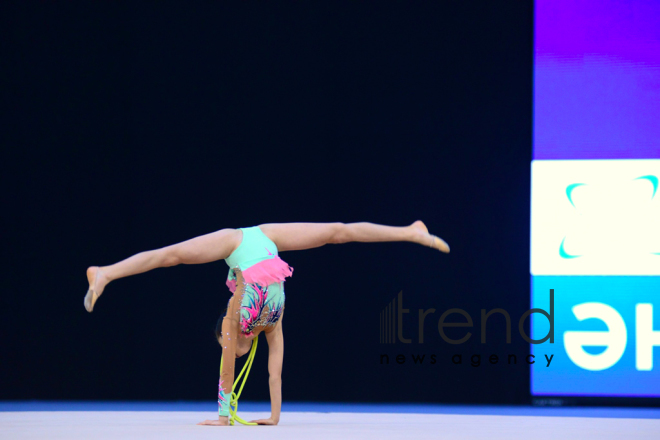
[(264, 273)]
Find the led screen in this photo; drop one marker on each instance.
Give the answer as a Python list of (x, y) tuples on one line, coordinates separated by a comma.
[(595, 208)]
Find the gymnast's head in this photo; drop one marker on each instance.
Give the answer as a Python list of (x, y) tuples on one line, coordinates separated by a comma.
[(243, 344)]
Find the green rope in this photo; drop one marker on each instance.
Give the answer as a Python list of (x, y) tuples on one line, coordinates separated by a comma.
[(233, 400)]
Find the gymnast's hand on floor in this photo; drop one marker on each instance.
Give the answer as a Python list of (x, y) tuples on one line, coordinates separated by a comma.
[(264, 421), (221, 421)]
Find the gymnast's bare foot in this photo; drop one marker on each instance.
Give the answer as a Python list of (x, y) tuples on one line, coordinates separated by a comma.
[(222, 421), (97, 282), (423, 237)]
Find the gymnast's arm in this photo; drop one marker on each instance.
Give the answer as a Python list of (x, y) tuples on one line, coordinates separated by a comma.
[(230, 329), (275, 340)]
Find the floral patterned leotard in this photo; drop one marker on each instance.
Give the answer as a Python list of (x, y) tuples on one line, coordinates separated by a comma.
[(256, 278)]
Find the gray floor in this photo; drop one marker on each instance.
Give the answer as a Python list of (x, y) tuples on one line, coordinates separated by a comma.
[(163, 425)]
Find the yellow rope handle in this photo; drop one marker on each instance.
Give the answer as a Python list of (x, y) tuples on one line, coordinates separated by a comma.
[(233, 399)]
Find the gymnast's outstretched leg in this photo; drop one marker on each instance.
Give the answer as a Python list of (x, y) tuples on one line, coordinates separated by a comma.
[(287, 236), (299, 236), (203, 249)]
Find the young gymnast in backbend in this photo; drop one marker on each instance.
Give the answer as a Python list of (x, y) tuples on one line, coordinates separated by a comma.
[(256, 279)]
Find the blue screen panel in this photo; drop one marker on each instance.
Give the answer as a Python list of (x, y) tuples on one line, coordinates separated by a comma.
[(597, 310), (595, 206)]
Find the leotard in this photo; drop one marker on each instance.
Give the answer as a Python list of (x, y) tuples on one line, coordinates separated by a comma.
[(256, 278), (264, 273)]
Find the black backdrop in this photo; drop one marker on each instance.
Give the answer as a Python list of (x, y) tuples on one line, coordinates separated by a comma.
[(136, 125)]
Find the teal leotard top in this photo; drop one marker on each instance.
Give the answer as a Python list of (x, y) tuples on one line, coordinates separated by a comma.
[(258, 259), (254, 248)]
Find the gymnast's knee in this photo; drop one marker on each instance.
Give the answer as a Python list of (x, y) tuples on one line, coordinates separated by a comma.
[(339, 233), (171, 256)]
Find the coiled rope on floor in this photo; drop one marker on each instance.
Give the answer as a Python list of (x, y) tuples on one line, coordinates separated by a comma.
[(233, 399)]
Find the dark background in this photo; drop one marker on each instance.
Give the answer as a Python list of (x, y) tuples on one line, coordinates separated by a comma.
[(136, 125)]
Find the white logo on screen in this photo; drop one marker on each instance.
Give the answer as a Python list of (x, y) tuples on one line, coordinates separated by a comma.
[(595, 217)]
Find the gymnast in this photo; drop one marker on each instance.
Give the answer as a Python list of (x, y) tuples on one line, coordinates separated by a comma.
[(256, 280)]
